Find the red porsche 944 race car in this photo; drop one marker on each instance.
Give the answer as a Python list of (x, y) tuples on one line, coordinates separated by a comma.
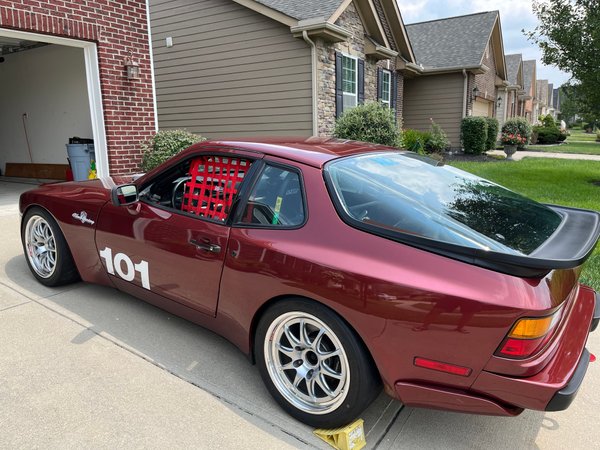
[(340, 267)]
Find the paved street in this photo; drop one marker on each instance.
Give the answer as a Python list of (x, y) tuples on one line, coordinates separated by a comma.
[(87, 366)]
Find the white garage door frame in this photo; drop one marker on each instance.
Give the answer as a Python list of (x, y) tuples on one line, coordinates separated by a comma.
[(92, 75)]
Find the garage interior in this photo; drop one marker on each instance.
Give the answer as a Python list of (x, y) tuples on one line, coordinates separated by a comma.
[(44, 103)]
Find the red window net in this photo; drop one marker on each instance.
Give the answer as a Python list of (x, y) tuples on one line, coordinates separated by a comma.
[(214, 182)]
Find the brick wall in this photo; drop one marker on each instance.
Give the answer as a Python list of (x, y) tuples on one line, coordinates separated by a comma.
[(486, 82), (355, 46), (119, 30)]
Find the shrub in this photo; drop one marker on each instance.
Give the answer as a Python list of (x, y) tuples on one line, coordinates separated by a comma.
[(518, 125), (473, 134), (598, 136), (369, 122), (548, 121), (563, 135), (492, 133), (414, 140), (547, 135), (437, 140), (164, 145)]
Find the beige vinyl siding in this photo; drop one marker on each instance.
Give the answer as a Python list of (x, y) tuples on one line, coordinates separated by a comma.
[(231, 71), (439, 97)]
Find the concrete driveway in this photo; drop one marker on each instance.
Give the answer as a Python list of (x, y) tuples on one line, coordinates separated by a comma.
[(87, 366)]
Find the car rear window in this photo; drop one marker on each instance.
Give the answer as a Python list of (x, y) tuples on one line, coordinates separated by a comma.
[(410, 194)]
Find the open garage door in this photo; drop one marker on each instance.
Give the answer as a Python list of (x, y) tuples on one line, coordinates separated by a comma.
[(482, 108), (50, 94)]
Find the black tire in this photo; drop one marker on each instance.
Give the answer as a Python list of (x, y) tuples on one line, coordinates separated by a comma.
[(361, 387), (64, 270)]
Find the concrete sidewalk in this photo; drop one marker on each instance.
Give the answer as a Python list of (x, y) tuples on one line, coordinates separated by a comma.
[(87, 366), (531, 154)]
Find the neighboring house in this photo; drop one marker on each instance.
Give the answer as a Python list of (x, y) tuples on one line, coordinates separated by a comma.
[(274, 67), (530, 87), (513, 104), (63, 73), (550, 103), (556, 102), (542, 97), (462, 68)]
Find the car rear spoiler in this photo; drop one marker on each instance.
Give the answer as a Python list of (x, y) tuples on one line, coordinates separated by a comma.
[(568, 247)]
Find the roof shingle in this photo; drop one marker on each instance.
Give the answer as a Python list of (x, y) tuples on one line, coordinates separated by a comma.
[(513, 62), (303, 9), (528, 74), (452, 42)]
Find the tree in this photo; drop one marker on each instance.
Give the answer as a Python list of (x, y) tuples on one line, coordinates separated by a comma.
[(569, 37)]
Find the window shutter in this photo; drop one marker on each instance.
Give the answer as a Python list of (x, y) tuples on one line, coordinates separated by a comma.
[(394, 90), (339, 97), (379, 83), (361, 81)]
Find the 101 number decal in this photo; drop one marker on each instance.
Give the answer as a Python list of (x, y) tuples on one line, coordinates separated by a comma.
[(124, 267)]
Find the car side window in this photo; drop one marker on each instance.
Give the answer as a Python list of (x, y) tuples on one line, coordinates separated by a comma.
[(276, 199), (205, 186)]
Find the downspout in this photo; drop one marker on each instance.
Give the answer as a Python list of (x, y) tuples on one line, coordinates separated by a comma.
[(465, 86), (315, 86), (151, 51)]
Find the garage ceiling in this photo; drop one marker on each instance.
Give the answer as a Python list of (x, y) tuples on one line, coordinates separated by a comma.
[(11, 45)]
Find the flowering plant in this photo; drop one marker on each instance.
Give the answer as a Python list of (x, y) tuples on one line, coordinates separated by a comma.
[(513, 139)]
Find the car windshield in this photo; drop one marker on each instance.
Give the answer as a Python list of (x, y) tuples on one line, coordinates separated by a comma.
[(410, 194)]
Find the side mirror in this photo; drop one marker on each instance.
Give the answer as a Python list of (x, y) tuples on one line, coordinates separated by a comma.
[(124, 195)]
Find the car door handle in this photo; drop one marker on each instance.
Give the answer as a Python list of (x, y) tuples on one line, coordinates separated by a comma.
[(213, 248)]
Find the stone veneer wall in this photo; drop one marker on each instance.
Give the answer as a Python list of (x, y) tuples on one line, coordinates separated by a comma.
[(355, 46)]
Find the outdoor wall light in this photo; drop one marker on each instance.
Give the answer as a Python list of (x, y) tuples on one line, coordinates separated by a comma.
[(474, 93), (133, 69), (499, 102)]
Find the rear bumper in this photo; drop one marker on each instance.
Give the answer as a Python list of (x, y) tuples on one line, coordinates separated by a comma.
[(563, 398), (552, 389)]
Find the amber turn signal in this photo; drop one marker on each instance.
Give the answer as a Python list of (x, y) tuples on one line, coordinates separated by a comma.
[(533, 328)]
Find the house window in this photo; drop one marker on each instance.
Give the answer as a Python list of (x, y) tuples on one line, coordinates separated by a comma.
[(349, 81), (386, 88)]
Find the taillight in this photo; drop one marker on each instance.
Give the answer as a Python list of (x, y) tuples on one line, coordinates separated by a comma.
[(528, 336)]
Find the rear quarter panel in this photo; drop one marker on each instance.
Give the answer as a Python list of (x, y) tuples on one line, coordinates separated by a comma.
[(62, 200), (403, 302)]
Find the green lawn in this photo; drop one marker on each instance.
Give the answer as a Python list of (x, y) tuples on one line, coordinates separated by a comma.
[(578, 142), (580, 135), (557, 181)]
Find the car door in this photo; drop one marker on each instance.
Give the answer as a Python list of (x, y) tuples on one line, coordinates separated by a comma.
[(173, 240)]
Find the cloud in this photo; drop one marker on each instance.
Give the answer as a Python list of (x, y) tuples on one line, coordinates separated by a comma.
[(515, 16)]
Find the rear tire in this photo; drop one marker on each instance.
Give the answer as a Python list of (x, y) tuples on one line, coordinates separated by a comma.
[(313, 364), (46, 251)]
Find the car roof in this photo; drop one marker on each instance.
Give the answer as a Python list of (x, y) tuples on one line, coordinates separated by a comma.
[(310, 151)]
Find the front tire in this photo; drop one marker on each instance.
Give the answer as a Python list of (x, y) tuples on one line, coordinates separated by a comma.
[(46, 251), (313, 364)]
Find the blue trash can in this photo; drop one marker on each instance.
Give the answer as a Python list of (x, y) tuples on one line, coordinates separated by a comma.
[(80, 157)]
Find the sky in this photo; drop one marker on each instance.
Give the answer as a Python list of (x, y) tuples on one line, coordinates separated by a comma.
[(515, 15)]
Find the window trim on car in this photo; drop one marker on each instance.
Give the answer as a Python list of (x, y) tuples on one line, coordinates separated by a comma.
[(344, 92), (220, 152), (243, 200)]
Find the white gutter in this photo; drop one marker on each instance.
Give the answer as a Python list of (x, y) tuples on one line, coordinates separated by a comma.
[(315, 87), (465, 85), (152, 66)]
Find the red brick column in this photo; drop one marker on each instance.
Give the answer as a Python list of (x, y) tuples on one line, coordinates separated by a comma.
[(120, 30)]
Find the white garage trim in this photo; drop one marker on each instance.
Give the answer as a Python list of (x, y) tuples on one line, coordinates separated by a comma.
[(92, 73)]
